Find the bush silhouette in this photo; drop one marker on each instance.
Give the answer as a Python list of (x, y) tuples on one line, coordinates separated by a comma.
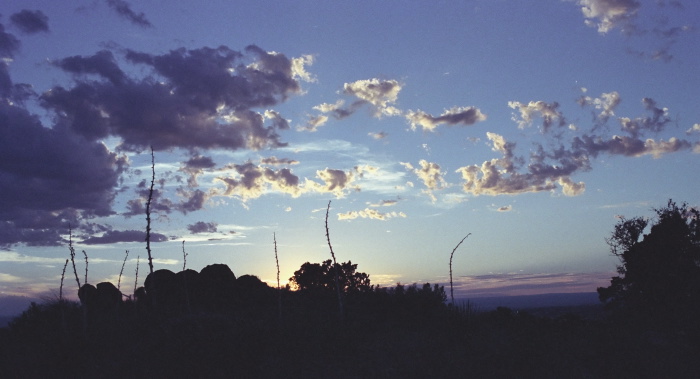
[(659, 274)]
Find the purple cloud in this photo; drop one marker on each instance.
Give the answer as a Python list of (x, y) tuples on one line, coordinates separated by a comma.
[(123, 9), (116, 236), (30, 22)]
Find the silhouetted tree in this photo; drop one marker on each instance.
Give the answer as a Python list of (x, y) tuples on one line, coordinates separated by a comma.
[(315, 276), (659, 274)]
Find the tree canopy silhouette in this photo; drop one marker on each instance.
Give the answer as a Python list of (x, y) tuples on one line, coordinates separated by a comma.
[(659, 275), (315, 276)]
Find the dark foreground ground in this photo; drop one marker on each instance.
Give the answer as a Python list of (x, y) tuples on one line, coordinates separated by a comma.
[(310, 340)]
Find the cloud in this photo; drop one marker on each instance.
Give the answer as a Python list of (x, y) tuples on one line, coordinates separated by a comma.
[(202, 227), (250, 181), (454, 116), (299, 68), (116, 236), (694, 129), (550, 166), (123, 9), (606, 104), (278, 161), (430, 174), (195, 166), (528, 112), (656, 123), (30, 22), (370, 214), (313, 123), (501, 176), (385, 203), (608, 14), (50, 177), (629, 146), (379, 93), (204, 98), (335, 181), (378, 135)]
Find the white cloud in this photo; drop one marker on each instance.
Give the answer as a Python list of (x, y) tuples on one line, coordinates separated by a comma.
[(608, 14), (370, 214), (453, 116)]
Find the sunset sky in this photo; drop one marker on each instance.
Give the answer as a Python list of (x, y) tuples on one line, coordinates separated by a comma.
[(532, 125)]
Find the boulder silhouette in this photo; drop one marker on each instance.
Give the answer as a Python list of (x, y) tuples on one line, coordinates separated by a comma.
[(162, 291), (252, 291), (218, 286), (87, 294), (189, 290), (103, 298)]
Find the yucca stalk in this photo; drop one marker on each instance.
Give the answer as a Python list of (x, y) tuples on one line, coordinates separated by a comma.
[(279, 291), (341, 309), (148, 211), (122, 270), (136, 280), (86, 266), (63, 275), (72, 254), (452, 291)]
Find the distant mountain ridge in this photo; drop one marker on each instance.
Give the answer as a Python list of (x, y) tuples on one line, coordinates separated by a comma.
[(533, 301), (484, 303)]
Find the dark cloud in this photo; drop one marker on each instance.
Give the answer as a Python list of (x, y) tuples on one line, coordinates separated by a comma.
[(9, 45), (200, 98), (194, 201), (49, 178), (278, 161), (30, 22), (195, 166), (199, 162), (115, 236), (124, 10), (202, 227)]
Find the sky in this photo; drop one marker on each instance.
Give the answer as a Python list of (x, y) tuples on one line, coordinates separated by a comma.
[(534, 126)]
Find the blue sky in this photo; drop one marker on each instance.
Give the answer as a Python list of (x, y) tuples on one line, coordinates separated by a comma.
[(530, 125)]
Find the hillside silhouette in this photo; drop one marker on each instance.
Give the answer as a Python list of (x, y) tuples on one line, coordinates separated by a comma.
[(331, 322)]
